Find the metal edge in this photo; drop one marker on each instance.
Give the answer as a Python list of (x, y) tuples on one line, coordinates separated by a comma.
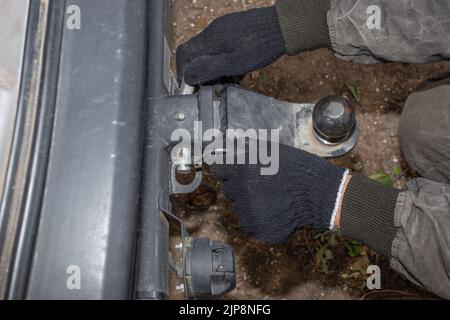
[(22, 137), (34, 188)]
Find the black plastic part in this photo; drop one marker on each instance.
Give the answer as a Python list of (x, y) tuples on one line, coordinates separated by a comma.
[(210, 269), (334, 119)]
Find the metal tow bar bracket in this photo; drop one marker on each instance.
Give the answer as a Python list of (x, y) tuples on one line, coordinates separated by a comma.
[(328, 128)]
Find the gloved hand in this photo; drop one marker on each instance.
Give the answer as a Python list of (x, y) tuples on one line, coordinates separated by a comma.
[(237, 43), (232, 45), (304, 192)]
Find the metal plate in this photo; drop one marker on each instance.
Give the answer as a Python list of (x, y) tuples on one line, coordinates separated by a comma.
[(87, 223)]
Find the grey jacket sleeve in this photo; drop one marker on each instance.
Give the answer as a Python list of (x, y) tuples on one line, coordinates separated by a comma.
[(411, 228), (369, 31), (421, 248)]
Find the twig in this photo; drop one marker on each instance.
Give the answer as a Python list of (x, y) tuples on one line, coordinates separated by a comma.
[(308, 247)]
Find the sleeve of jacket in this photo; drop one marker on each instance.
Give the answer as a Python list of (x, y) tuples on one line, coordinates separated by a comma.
[(421, 248), (368, 31)]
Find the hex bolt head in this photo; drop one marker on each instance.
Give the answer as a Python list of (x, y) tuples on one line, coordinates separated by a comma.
[(181, 116), (179, 246), (180, 288)]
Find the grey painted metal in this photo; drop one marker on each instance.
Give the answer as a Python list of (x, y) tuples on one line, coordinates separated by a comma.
[(251, 110), (152, 277), (153, 267), (89, 211)]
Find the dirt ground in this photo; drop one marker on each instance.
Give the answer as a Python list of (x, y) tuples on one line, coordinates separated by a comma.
[(310, 265)]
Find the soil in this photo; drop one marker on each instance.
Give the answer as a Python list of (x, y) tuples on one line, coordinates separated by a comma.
[(297, 269)]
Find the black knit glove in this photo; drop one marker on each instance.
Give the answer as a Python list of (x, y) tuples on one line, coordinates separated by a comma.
[(241, 42), (232, 45), (304, 192)]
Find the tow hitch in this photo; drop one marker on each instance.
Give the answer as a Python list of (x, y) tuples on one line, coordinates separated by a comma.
[(327, 129)]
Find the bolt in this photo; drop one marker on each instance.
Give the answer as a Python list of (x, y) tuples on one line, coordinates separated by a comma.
[(181, 116), (180, 288), (179, 246)]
